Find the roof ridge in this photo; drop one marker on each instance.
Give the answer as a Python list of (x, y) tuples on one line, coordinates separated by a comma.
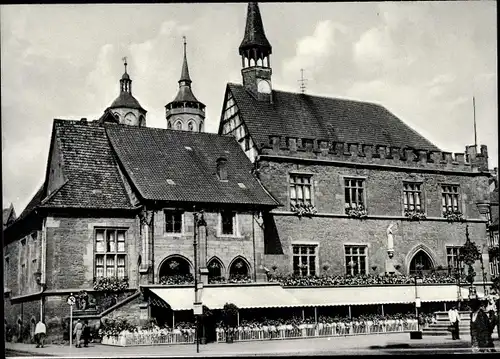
[(319, 96), (184, 133)]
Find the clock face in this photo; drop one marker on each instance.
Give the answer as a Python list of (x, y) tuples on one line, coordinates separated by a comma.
[(263, 86)]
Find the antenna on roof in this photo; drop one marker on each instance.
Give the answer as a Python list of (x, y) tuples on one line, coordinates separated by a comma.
[(474, 109), (302, 81)]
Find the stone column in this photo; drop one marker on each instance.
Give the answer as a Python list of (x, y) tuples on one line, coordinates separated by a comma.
[(146, 253), (201, 228)]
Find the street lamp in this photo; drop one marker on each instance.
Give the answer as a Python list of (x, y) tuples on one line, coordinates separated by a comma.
[(199, 220), (418, 280)]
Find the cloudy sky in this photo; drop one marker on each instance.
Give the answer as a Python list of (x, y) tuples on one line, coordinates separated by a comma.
[(424, 61)]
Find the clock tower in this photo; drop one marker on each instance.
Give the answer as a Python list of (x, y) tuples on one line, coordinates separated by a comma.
[(125, 108), (185, 112), (255, 51)]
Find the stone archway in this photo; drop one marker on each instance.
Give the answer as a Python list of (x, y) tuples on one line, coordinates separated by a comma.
[(175, 269), (421, 258), (215, 270), (239, 268)]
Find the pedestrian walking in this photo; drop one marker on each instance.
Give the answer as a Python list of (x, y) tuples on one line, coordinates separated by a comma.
[(40, 332), (78, 333), (454, 318), (479, 327), (86, 333), (492, 318)]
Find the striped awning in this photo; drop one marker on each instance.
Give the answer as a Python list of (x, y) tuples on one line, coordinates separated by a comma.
[(335, 296)]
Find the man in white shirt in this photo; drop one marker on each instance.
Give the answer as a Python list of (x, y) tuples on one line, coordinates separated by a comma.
[(40, 334), (454, 317)]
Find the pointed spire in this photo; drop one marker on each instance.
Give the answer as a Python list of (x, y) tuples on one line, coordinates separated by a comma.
[(185, 70), (255, 36), (125, 75)]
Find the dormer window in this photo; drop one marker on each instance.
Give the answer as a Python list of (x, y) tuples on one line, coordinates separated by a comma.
[(221, 169)]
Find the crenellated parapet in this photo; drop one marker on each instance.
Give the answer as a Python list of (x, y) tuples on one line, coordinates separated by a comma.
[(469, 161)]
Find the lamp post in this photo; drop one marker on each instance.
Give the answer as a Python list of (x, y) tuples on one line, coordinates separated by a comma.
[(199, 219), (418, 279)]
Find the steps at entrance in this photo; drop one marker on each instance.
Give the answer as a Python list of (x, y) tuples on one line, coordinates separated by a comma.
[(441, 326)]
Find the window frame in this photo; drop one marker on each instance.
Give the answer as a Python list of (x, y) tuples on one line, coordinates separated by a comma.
[(310, 176), (236, 231), (458, 194), (423, 207), (116, 254), (365, 255), (356, 178), (299, 245), (174, 210), (457, 248)]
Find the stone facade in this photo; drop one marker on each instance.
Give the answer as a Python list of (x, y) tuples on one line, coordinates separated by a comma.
[(331, 228)]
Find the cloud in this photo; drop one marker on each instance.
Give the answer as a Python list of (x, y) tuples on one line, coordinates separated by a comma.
[(312, 52)]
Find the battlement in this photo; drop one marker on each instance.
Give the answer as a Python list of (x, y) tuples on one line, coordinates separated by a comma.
[(469, 161)]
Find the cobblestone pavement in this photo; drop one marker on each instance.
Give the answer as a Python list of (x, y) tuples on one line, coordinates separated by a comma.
[(399, 343)]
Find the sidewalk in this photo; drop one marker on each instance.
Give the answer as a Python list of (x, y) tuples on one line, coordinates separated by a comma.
[(399, 343)]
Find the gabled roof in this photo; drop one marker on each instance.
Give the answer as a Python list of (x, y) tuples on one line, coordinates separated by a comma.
[(305, 116), (93, 179), (8, 215), (167, 165)]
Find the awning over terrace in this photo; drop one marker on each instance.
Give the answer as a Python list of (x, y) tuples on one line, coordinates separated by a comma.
[(334, 296), (214, 297)]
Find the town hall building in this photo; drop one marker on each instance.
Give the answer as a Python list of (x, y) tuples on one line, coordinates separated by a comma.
[(293, 187)]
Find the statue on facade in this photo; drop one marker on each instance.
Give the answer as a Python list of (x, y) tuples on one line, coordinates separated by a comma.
[(390, 240)]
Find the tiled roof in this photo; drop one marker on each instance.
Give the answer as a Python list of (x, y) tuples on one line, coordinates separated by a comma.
[(93, 180), (306, 116), (185, 94), (8, 214), (155, 158), (126, 99)]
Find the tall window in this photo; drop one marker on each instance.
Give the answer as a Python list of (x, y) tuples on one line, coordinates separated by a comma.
[(300, 189), (304, 260), (228, 223), (354, 192), (110, 257), (355, 259), (452, 260), (412, 197), (178, 125), (191, 126), (173, 221), (450, 196)]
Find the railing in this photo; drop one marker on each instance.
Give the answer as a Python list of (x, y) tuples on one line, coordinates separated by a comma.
[(148, 338), (320, 330)]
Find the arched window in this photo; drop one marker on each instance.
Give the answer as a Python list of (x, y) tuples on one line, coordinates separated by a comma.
[(221, 169), (169, 125), (215, 270), (239, 270), (178, 125), (142, 121), (175, 270), (191, 126), (420, 262)]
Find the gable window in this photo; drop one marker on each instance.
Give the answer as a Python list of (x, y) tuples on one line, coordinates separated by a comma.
[(452, 254), (110, 254), (304, 259), (450, 198), (178, 125), (355, 259), (354, 192), (228, 223), (173, 221), (412, 196), (300, 189), (221, 169)]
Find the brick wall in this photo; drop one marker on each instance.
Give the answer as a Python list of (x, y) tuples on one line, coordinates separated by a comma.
[(331, 229), (70, 250), (225, 248)]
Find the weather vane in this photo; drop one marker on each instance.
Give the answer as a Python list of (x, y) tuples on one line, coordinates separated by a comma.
[(302, 81), (124, 59)]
